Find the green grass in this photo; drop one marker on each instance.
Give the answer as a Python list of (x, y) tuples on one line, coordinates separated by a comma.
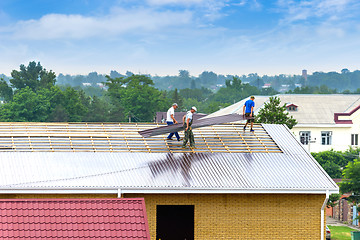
[(340, 233)]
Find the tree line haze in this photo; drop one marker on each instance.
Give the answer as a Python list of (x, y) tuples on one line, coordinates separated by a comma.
[(33, 93)]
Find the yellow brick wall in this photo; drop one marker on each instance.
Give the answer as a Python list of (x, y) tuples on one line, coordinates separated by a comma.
[(231, 216), (245, 216)]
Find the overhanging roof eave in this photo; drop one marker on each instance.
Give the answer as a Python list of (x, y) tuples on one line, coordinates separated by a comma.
[(165, 191)]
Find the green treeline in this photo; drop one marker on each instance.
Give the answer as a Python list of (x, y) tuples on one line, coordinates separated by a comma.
[(34, 94), (346, 166), (334, 162), (31, 94), (318, 82)]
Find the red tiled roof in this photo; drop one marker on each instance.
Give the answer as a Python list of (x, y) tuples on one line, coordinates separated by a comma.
[(122, 218)]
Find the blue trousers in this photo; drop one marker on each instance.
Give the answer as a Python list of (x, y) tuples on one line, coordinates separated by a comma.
[(172, 134)]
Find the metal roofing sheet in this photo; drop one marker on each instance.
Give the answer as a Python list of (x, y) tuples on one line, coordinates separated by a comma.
[(212, 171), (203, 122), (312, 108), (73, 219)]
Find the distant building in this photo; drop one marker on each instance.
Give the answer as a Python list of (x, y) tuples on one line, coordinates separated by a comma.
[(86, 84), (304, 75), (284, 88), (267, 85), (100, 85), (325, 121)]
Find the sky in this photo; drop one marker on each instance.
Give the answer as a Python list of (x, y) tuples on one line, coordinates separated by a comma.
[(161, 37)]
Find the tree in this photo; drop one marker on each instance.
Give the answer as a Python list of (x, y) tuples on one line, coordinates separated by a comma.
[(351, 179), (98, 110), (234, 91), (208, 78), (33, 76), (331, 162), (193, 84), (333, 200), (176, 98), (27, 106), (351, 182), (274, 113), (74, 105), (5, 91), (136, 96), (184, 80), (58, 114)]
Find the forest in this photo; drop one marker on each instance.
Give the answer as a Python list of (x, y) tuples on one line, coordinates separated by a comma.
[(35, 94)]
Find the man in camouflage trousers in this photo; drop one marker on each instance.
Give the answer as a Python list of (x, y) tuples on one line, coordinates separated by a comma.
[(189, 136)]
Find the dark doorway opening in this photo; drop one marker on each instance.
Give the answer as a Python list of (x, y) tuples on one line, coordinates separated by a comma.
[(175, 222)]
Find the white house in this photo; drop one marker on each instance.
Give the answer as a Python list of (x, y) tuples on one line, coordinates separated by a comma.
[(325, 121)]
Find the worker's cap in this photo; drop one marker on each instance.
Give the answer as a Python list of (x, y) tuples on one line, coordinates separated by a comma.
[(175, 104), (194, 108), (252, 97)]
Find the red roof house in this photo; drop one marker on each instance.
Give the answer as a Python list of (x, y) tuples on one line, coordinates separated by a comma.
[(73, 219)]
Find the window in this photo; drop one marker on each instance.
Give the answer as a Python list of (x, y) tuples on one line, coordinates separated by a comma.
[(326, 138), (175, 222), (291, 107), (354, 139), (305, 137)]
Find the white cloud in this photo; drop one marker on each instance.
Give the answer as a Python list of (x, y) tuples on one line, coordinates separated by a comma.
[(119, 21), (327, 9), (209, 9)]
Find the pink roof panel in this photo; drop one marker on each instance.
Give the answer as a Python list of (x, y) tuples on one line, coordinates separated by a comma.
[(121, 218)]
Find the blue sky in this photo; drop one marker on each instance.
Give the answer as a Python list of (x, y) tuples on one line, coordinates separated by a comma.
[(161, 37)]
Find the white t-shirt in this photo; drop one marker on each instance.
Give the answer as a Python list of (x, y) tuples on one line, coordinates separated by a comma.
[(189, 115), (168, 115)]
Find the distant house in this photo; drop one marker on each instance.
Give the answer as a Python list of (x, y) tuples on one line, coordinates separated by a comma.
[(86, 84), (325, 121), (234, 185), (267, 85), (291, 107), (100, 85)]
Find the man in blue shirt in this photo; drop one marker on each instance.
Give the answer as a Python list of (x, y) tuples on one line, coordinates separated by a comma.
[(248, 111)]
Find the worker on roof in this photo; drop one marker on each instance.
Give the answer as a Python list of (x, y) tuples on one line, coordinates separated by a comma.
[(170, 120), (248, 111), (188, 120)]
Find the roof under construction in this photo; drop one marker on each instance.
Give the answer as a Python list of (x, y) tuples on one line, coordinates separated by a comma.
[(124, 137), (113, 157), (289, 170)]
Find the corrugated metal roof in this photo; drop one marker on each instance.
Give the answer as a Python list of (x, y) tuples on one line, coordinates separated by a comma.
[(292, 169), (312, 108), (215, 171), (73, 219), (124, 137)]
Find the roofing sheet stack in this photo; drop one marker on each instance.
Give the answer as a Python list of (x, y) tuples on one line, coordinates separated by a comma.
[(124, 137)]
